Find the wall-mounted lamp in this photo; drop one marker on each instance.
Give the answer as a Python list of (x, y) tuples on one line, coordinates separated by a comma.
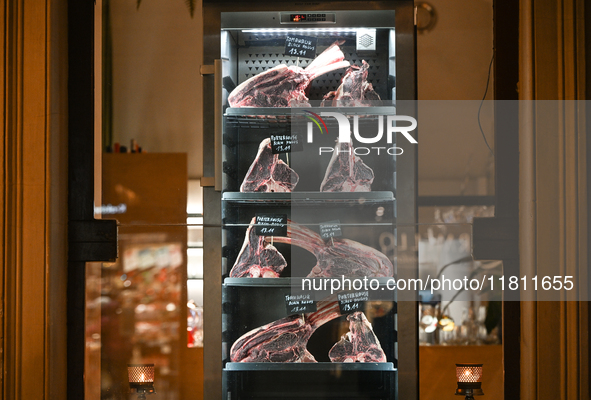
[(141, 378), (469, 377)]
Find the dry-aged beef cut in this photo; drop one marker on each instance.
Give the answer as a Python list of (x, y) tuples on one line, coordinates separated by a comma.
[(346, 172), (339, 257), (268, 173), (284, 86), (284, 340), (360, 344), (257, 258), (354, 91)]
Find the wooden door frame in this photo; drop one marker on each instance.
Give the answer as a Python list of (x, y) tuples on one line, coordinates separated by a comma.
[(34, 186), (496, 238), (546, 201), (89, 239), (554, 202)]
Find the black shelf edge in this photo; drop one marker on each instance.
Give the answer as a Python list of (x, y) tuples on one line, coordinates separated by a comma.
[(256, 112), (284, 282), (320, 366), (309, 197)]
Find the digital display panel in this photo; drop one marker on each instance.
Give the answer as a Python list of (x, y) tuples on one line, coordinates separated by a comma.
[(307, 17), (297, 17)]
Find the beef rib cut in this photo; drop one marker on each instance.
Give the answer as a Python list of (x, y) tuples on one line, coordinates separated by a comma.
[(284, 340), (354, 90), (339, 257), (284, 86), (257, 258), (360, 344), (346, 172), (268, 173)]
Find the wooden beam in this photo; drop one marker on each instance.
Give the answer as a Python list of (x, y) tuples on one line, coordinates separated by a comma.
[(33, 183), (554, 197)]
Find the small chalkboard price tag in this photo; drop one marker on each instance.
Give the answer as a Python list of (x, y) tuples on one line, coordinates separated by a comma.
[(285, 143), (352, 301), (299, 303), (300, 46), (271, 224), (330, 229)]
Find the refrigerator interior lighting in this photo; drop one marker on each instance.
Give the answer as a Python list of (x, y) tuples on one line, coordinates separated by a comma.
[(300, 30)]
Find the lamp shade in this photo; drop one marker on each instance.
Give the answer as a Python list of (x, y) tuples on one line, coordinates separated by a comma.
[(469, 377), (140, 373), (141, 377), (469, 372)]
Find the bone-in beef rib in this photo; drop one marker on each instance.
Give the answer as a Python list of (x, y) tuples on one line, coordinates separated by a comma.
[(346, 172), (354, 90), (360, 344), (284, 86), (257, 258), (284, 340), (339, 257), (268, 173)]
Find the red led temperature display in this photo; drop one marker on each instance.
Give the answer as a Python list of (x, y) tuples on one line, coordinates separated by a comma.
[(297, 17), (307, 17)]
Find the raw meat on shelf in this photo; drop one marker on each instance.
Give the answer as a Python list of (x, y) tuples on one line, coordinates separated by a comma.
[(284, 340), (257, 257), (339, 257), (284, 86), (360, 344), (354, 90), (346, 172), (268, 173)]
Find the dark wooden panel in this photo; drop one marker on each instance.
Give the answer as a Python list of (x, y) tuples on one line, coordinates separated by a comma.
[(80, 174), (506, 43)]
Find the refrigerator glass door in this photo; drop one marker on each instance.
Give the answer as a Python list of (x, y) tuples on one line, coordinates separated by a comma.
[(303, 209)]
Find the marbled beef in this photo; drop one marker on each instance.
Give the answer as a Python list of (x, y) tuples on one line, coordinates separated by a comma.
[(284, 86)]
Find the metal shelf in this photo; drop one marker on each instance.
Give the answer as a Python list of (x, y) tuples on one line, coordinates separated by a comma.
[(280, 117), (320, 366), (309, 198), (257, 112), (284, 282), (294, 286)]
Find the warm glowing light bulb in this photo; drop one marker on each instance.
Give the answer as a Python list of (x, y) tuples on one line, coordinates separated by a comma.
[(142, 377), (468, 372)]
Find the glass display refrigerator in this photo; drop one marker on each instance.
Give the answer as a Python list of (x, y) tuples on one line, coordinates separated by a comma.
[(309, 184)]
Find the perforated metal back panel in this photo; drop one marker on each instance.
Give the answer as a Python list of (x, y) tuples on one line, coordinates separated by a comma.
[(259, 55)]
